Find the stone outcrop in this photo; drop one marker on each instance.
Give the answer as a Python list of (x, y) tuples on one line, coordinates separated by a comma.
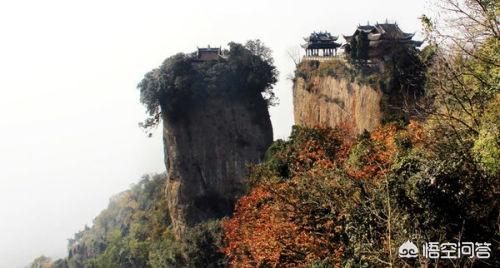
[(334, 92), (207, 153), (332, 102)]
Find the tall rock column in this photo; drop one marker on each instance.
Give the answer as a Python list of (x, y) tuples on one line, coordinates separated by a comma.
[(215, 124), (334, 102), (336, 93), (207, 153)]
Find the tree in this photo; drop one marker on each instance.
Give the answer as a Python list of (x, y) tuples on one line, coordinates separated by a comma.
[(202, 245), (41, 262), (258, 48), (294, 55), (169, 91), (464, 76), (297, 211), (323, 199)]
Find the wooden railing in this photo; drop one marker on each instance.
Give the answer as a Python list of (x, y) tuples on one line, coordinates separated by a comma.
[(325, 58), (321, 58)]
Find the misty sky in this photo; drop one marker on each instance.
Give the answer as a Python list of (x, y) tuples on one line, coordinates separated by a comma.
[(69, 106)]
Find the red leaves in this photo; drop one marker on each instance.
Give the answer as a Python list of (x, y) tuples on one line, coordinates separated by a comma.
[(297, 220), (255, 230), (376, 154)]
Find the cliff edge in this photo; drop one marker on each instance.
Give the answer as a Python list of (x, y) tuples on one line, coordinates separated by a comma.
[(336, 92), (334, 102), (215, 124)]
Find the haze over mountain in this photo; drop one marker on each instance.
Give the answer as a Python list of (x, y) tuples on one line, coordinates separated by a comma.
[(69, 108)]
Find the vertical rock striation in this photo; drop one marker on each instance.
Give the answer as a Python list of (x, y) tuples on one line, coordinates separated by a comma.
[(333, 102), (360, 96), (215, 124), (207, 152)]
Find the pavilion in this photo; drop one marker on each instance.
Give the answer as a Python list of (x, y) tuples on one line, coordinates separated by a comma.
[(321, 44), (379, 39)]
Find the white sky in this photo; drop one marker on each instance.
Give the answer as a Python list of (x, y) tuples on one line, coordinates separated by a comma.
[(69, 106)]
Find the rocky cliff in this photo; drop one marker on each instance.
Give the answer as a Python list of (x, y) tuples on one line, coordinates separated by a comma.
[(215, 124), (333, 102), (207, 154), (334, 93)]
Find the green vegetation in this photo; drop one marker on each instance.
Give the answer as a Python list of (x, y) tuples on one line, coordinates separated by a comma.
[(134, 231), (401, 77), (404, 71), (245, 70), (41, 262), (202, 246), (131, 232), (323, 198)]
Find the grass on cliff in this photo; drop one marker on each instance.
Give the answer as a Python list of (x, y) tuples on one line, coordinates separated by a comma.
[(338, 69)]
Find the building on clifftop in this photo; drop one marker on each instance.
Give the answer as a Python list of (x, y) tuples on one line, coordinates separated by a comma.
[(372, 42), (209, 53), (321, 44)]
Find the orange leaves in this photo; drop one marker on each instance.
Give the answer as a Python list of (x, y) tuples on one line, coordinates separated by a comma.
[(294, 222), (299, 216), (255, 231), (277, 227), (323, 147), (371, 157), (311, 152), (384, 139), (417, 133)]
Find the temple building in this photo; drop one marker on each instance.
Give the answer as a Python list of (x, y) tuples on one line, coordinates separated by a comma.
[(377, 41), (321, 44), (208, 53)]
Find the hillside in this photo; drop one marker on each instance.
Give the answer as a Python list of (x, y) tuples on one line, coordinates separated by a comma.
[(394, 161), (323, 199), (135, 231)]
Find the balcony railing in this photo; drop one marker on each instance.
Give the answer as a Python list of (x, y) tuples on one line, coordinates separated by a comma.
[(323, 58)]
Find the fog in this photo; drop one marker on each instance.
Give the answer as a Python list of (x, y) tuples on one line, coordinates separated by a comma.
[(69, 106)]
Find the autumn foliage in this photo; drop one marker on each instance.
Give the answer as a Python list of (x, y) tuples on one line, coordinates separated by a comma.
[(326, 199), (296, 212)]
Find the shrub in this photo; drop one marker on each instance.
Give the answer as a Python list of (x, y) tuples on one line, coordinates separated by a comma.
[(321, 199), (202, 245)]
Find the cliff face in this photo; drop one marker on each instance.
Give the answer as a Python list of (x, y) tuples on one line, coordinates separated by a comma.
[(207, 153), (361, 96), (331, 102), (215, 124)]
